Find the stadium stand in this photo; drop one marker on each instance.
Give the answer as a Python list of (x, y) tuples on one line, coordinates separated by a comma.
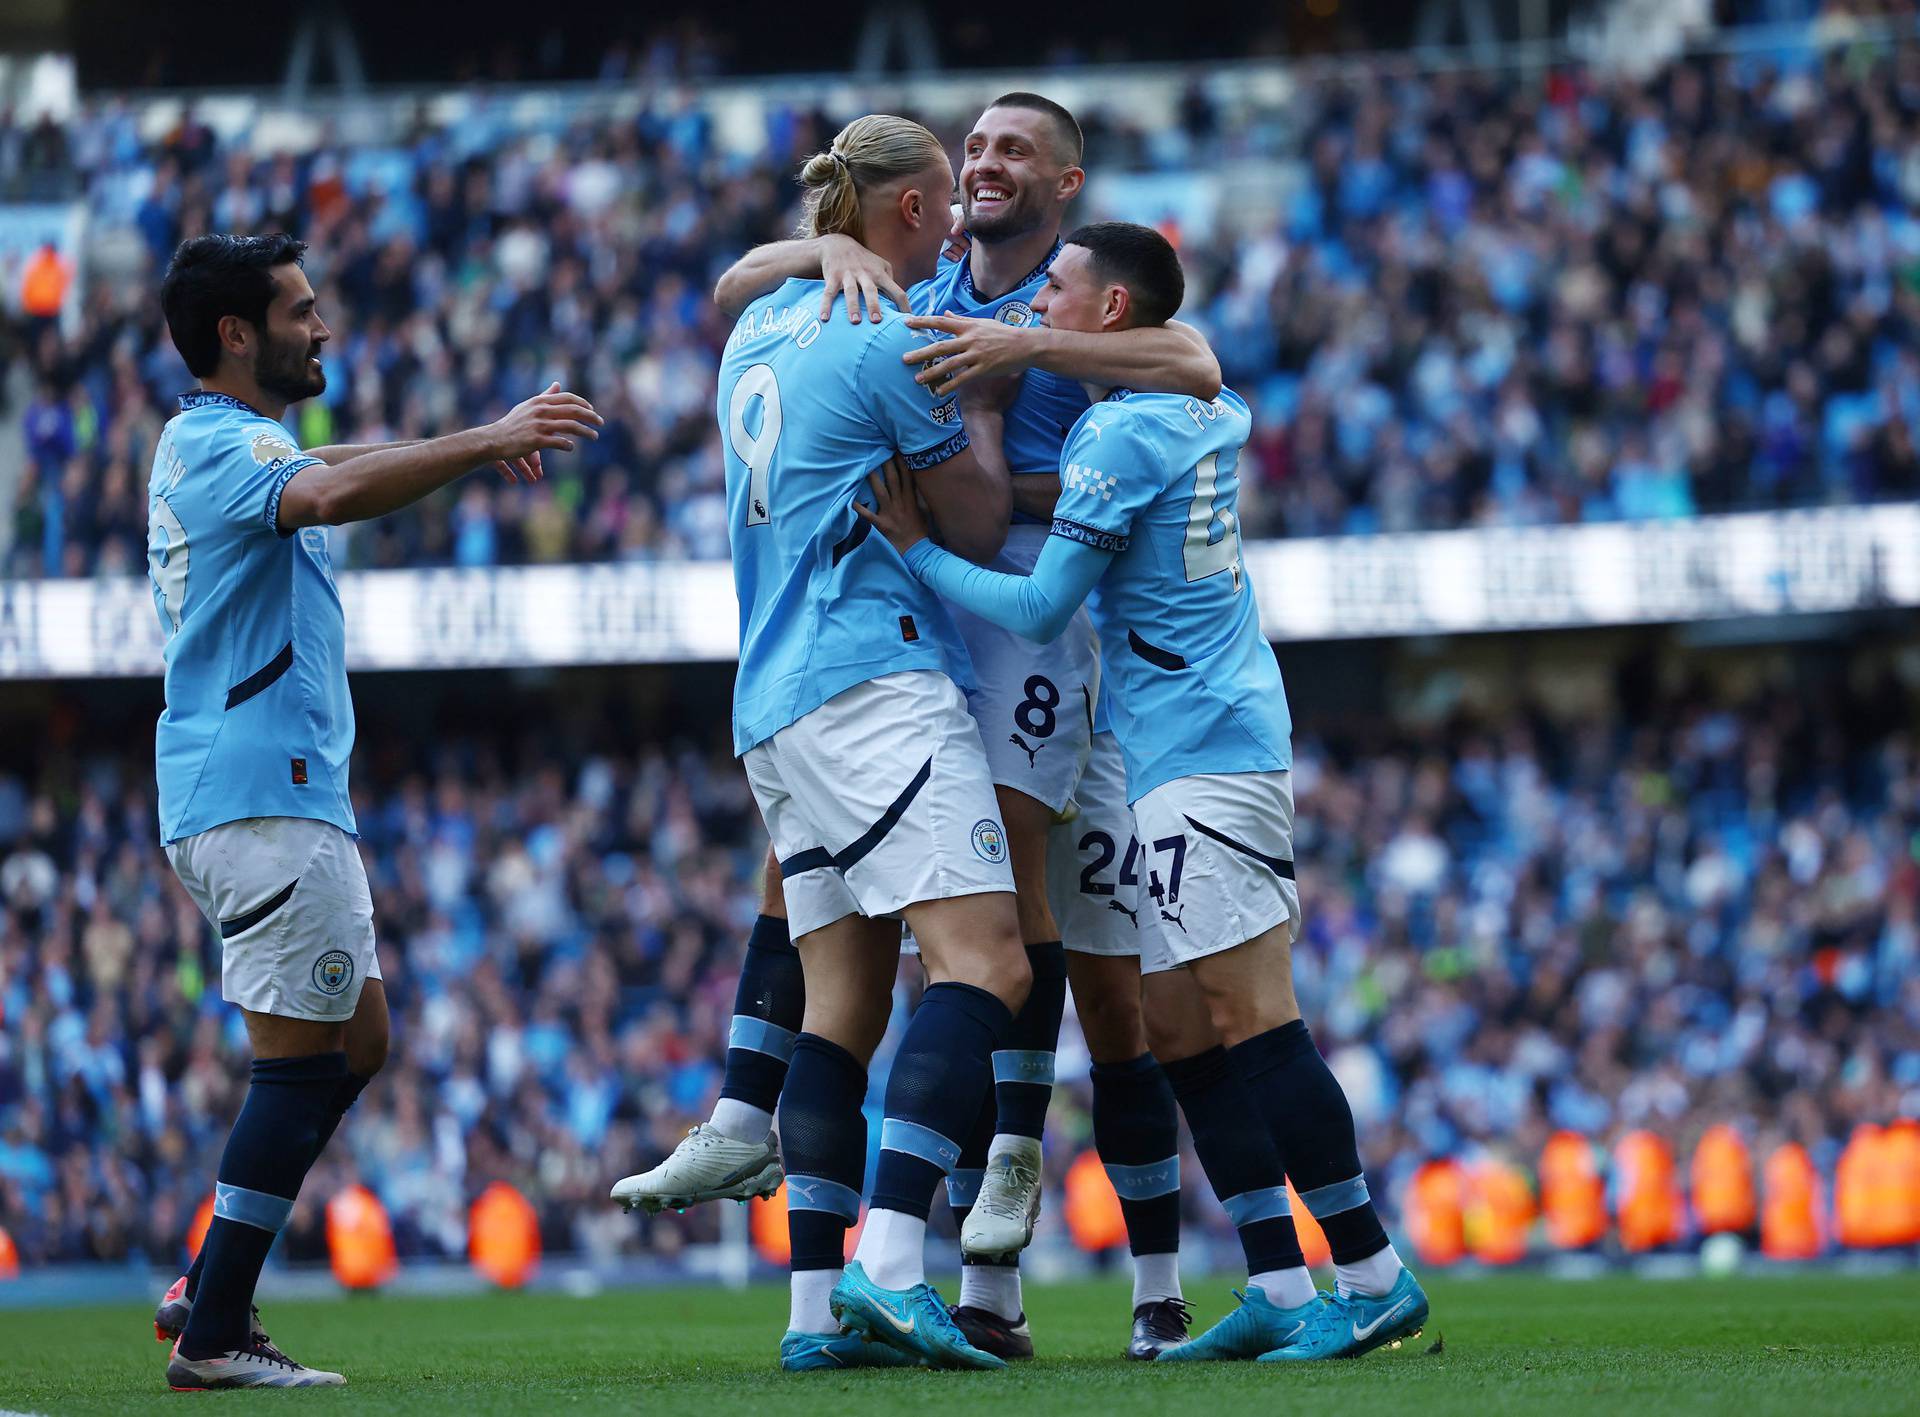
[(1475, 301)]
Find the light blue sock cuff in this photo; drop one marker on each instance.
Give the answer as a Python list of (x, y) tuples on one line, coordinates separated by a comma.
[(1143, 1183), (818, 1193), (1323, 1201), (916, 1140), (1023, 1065), (255, 1208), (1268, 1203), (756, 1035)]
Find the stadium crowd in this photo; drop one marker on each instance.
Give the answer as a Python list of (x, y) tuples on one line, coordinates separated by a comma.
[(1690, 911), (1471, 299)]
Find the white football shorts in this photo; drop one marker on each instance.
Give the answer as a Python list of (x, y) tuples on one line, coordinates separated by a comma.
[(1093, 861), (289, 897), (879, 799), (1034, 702), (1216, 865)]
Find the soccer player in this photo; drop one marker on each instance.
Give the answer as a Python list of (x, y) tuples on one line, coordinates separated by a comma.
[(868, 770), (1148, 512), (1034, 705), (251, 751)]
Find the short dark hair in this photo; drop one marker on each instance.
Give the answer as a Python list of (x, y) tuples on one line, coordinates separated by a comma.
[(1066, 128), (211, 277), (1141, 259)]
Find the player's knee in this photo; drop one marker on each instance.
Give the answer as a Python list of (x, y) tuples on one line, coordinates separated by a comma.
[(773, 895), (366, 1056), (1112, 1025), (1180, 1034)]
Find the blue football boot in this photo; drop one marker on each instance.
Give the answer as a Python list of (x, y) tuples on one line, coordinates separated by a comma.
[(1258, 1326), (914, 1321), (820, 1352), (1348, 1325)]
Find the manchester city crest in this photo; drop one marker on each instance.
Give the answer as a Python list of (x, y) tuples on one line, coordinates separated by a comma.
[(1014, 312), (989, 842), (333, 972)]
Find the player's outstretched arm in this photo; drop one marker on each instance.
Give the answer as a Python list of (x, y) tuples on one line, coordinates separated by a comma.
[(1172, 358), (376, 483), (526, 469), (1036, 606), (848, 268)]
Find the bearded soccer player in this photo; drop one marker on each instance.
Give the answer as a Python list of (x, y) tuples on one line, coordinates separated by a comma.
[(251, 751), (1148, 512), (1035, 706)]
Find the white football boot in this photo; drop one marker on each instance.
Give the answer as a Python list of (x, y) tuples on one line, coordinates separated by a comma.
[(1003, 1215), (707, 1165)]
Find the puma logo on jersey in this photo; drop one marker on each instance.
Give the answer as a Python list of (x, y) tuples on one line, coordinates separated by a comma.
[(1133, 916), (1175, 919), (1031, 750)]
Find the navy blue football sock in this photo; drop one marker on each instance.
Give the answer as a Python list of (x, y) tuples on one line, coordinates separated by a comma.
[(274, 1141), (1023, 1064), (823, 1144), (1137, 1133), (348, 1093), (1236, 1151), (344, 1096), (1312, 1124), (939, 1075), (767, 1005)]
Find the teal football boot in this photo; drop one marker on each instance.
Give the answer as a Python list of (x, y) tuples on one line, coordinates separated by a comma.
[(1348, 1325), (822, 1352), (1258, 1326), (914, 1321)]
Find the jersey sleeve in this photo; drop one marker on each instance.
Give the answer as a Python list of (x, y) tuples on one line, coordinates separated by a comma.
[(925, 428), (253, 460), (1109, 473), (1037, 606)]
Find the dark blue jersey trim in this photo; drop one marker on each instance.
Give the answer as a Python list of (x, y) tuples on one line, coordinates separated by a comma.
[(1091, 535)]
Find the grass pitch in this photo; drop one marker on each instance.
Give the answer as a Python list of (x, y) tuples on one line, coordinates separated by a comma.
[(1515, 1344)]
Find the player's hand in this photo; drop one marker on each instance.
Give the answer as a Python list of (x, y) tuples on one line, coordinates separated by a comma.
[(526, 469), (896, 505), (551, 419), (959, 239), (975, 349), (989, 394), (852, 271)]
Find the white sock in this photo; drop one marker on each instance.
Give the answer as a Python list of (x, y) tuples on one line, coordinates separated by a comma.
[(993, 1287), (1156, 1277), (740, 1120), (893, 1249), (810, 1313), (1373, 1275), (1005, 1142), (1289, 1288)]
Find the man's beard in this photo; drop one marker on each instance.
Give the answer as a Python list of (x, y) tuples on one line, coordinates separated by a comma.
[(283, 371), (1024, 215)]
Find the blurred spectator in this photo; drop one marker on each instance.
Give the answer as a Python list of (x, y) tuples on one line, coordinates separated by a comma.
[(1700, 912), (1481, 300)]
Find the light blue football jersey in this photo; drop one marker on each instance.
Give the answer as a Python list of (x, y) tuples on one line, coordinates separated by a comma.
[(258, 721), (1191, 683), (806, 411), (1046, 405)]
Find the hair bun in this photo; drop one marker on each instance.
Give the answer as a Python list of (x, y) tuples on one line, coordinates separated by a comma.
[(822, 168)]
